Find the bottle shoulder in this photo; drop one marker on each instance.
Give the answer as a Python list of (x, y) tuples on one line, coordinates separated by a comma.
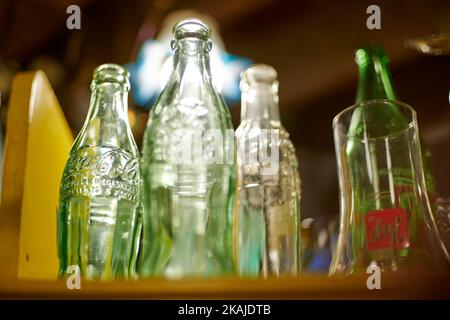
[(189, 113), (176, 124), (100, 132), (250, 128), (258, 142)]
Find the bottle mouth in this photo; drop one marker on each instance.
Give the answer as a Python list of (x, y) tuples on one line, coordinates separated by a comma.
[(111, 73), (366, 54), (259, 74), (191, 28)]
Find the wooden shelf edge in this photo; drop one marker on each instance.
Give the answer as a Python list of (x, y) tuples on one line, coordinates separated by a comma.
[(304, 287)]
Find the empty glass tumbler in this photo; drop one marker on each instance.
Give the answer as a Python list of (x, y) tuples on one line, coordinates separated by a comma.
[(386, 218)]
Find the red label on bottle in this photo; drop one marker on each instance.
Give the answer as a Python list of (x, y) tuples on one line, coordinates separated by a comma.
[(387, 228)]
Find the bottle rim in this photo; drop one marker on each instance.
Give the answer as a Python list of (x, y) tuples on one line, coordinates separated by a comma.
[(411, 123), (112, 73), (367, 53), (259, 74), (191, 28)]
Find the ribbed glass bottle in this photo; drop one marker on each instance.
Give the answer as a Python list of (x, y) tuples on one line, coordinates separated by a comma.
[(268, 182), (100, 185), (188, 169)]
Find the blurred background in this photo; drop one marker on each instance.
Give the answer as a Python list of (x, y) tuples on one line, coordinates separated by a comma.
[(310, 43)]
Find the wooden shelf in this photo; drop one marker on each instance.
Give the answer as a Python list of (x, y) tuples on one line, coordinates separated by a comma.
[(305, 287)]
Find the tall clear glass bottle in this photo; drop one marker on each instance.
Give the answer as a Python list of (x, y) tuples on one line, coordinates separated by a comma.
[(188, 169), (100, 185), (268, 182)]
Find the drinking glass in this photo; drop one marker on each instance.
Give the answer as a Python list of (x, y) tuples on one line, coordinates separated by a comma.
[(385, 212)]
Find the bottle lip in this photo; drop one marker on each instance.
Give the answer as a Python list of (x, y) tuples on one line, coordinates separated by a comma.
[(191, 28), (341, 122), (259, 74), (365, 54), (111, 73)]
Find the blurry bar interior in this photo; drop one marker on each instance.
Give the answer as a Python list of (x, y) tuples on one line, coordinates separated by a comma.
[(310, 43)]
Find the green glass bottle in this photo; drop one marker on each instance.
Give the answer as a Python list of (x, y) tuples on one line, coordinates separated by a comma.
[(188, 169), (100, 185), (375, 82)]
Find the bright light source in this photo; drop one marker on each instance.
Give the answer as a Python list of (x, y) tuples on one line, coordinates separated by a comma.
[(154, 65)]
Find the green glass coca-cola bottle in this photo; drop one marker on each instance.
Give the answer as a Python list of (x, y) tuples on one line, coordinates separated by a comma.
[(100, 185), (188, 169)]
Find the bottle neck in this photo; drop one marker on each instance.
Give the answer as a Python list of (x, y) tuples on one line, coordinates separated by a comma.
[(374, 79), (191, 65), (109, 101), (107, 120), (260, 103)]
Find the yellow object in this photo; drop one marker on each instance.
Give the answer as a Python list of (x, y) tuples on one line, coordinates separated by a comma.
[(37, 144)]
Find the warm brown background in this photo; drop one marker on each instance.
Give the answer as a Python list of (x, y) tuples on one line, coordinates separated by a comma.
[(310, 43)]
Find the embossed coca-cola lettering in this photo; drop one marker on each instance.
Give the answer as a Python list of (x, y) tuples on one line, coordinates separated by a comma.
[(114, 163), (110, 164), (131, 170), (102, 171)]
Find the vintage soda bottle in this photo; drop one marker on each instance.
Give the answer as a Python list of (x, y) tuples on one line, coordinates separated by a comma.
[(375, 82), (268, 182), (188, 169), (99, 192)]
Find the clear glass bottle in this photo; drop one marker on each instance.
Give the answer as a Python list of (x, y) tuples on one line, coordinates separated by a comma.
[(188, 169), (100, 185), (268, 182)]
